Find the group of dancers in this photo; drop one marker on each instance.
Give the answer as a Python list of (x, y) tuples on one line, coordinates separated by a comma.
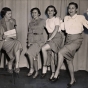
[(57, 44)]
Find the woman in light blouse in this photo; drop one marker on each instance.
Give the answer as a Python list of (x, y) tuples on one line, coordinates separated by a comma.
[(73, 25), (54, 43)]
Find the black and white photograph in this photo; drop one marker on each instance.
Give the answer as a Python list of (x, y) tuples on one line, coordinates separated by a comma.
[(43, 43)]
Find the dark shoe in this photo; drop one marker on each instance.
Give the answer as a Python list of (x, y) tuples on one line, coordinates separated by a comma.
[(16, 70), (10, 71), (69, 85), (50, 79), (43, 75), (35, 75), (55, 79), (30, 74)]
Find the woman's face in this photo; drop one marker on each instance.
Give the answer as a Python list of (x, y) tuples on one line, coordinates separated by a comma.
[(72, 10), (35, 14), (50, 12), (8, 15)]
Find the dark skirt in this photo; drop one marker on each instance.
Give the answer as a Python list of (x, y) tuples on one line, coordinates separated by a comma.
[(57, 42), (11, 46), (72, 44)]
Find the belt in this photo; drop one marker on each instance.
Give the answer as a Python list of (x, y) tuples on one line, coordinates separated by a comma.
[(37, 33)]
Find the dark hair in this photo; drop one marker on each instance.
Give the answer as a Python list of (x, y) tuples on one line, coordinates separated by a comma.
[(51, 6), (73, 3), (4, 11), (35, 9)]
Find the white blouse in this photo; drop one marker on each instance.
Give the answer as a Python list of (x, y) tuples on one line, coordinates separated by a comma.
[(51, 23), (74, 25)]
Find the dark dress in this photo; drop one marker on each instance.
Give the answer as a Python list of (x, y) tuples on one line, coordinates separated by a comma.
[(11, 46), (35, 37)]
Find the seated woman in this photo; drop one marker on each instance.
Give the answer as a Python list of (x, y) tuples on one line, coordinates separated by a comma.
[(35, 40), (10, 44), (55, 41)]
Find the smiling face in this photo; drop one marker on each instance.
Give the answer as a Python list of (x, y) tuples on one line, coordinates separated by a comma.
[(72, 10), (50, 12), (35, 14), (8, 15)]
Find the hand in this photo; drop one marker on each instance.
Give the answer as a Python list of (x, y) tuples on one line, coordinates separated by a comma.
[(4, 36), (48, 40), (28, 45), (14, 37)]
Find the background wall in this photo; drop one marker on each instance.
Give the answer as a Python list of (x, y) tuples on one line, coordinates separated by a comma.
[(21, 12)]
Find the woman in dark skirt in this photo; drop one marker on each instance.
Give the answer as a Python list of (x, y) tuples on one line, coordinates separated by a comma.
[(10, 44), (35, 40), (54, 43), (73, 25)]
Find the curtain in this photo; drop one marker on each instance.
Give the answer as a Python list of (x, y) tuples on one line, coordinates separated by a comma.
[(21, 12)]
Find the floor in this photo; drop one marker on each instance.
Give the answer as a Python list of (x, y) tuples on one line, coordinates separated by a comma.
[(28, 82)]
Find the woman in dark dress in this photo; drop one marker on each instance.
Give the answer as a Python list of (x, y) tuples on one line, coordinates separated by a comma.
[(35, 40), (10, 44)]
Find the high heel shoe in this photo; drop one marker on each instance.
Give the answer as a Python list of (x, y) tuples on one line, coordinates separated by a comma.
[(16, 70), (69, 85), (35, 75), (50, 79), (44, 74), (55, 79), (10, 70), (30, 73)]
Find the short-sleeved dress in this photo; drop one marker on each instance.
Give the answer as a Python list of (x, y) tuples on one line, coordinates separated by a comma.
[(35, 37), (11, 46), (57, 42)]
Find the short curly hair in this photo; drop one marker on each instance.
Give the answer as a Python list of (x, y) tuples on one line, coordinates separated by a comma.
[(73, 3), (35, 9), (50, 6), (4, 11)]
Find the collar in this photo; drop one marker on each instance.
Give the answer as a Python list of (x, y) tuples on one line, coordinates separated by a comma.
[(73, 16), (51, 18)]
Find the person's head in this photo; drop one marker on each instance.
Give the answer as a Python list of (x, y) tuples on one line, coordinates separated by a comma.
[(35, 13), (6, 12), (72, 8), (51, 11)]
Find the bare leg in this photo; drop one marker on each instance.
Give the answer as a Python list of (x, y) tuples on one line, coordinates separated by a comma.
[(36, 66), (52, 65), (31, 66), (60, 62), (17, 58), (49, 59), (17, 55), (71, 70), (44, 51)]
